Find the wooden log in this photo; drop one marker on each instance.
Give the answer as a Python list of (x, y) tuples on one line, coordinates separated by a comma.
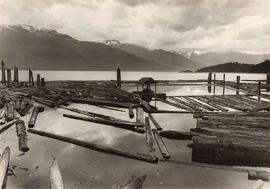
[(149, 136), (3, 116), (4, 162), (10, 109), (176, 135), (7, 126), (22, 135), (45, 102), (36, 110), (130, 112), (119, 124), (205, 100), (156, 124), (25, 109), (177, 105), (161, 145), (56, 181), (3, 72), (198, 104), (135, 182), (146, 107), (139, 115), (18, 105), (97, 147), (224, 83), (191, 106)]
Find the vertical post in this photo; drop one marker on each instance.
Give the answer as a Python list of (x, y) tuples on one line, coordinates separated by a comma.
[(16, 75), (118, 77), (237, 84), (3, 72), (42, 82), (214, 84), (259, 89), (38, 80), (268, 82), (8, 77), (224, 83), (31, 80), (209, 82)]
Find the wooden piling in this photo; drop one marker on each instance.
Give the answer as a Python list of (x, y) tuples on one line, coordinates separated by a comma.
[(149, 136), (3, 72), (214, 89), (268, 82), (97, 147), (210, 82), (33, 118), (10, 110), (118, 78), (56, 181), (31, 80), (259, 89), (224, 83), (4, 162), (38, 80), (22, 135), (237, 84), (16, 74), (8, 77), (161, 145)]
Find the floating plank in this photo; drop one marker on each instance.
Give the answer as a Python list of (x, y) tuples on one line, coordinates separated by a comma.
[(97, 147), (56, 181), (161, 145), (4, 162)]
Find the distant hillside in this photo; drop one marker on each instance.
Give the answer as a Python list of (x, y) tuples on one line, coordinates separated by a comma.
[(214, 58), (43, 49), (227, 67), (162, 57), (263, 67)]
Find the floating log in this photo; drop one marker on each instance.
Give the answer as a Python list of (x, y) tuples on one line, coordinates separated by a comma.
[(97, 147), (191, 106), (7, 125), (45, 102), (177, 105), (135, 182), (158, 127), (22, 135), (149, 135), (56, 181), (263, 175), (176, 135), (132, 126), (198, 104), (33, 118), (161, 145), (4, 162)]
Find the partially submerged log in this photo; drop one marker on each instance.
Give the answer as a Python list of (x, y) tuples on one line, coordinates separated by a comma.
[(4, 162), (22, 135), (161, 145), (56, 181), (132, 126), (176, 135), (135, 182), (97, 147), (33, 118)]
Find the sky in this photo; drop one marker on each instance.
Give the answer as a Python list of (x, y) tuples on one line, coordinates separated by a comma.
[(205, 25)]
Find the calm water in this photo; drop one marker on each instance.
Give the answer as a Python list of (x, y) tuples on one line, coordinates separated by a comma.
[(83, 168)]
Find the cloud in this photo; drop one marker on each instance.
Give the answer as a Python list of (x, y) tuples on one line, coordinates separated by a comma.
[(169, 24)]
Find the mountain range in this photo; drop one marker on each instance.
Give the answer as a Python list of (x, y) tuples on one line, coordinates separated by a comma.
[(45, 49)]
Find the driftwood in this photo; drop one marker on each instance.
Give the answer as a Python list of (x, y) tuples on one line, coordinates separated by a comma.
[(4, 162), (7, 126), (56, 181), (33, 118), (22, 135), (97, 147), (161, 145)]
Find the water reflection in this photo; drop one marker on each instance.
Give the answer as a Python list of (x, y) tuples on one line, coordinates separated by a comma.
[(83, 168)]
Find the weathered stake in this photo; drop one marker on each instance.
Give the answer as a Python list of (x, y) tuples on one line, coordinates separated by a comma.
[(237, 84), (33, 118), (224, 83), (3, 72), (210, 82), (118, 78), (97, 147), (214, 90)]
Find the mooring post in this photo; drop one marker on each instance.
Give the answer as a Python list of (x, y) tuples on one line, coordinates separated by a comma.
[(268, 82), (209, 82), (259, 89), (16, 75), (224, 83), (31, 80), (214, 90), (3, 72), (8, 77), (38, 80), (42, 82), (118, 78), (237, 84)]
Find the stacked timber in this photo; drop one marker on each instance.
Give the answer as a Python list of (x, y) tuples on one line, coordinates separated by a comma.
[(232, 139)]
